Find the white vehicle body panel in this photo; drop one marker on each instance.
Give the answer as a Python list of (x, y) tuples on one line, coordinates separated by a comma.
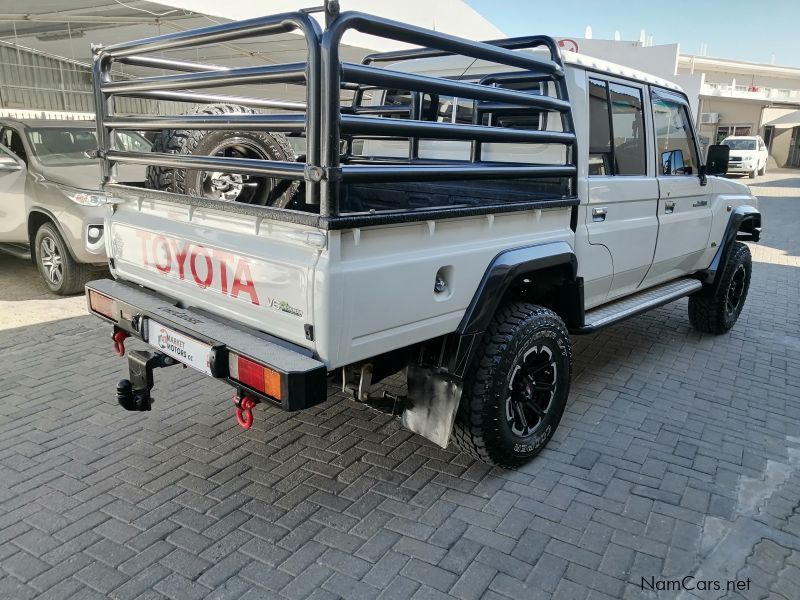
[(370, 290), (255, 273)]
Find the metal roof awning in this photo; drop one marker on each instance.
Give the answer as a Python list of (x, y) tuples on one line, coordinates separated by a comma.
[(791, 119)]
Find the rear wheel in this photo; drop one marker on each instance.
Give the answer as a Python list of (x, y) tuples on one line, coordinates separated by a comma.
[(517, 386), (218, 185), (61, 273), (716, 310)]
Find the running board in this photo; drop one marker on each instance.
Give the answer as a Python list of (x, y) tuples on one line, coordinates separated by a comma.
[(630, 306), (18, 250)]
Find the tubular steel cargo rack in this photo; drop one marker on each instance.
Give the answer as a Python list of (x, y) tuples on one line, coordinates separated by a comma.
[(325, 122)]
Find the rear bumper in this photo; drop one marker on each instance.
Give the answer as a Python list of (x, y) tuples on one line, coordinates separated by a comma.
[(303, 378)]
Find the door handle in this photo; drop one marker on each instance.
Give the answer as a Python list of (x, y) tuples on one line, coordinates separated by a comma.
[(599, 214), (669, 207)]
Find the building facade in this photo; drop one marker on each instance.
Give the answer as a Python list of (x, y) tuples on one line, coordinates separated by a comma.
[(742, 98)]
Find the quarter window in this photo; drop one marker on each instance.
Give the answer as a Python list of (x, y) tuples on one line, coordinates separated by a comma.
[(675, 147), (616, 130)]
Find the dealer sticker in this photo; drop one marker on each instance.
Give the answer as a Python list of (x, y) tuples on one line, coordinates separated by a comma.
[(179, 346)]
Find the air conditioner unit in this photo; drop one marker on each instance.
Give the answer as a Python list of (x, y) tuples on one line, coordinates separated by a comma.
[(709, 118)]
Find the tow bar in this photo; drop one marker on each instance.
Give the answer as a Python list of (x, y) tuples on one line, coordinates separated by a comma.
[(244, 410), (134, 393)]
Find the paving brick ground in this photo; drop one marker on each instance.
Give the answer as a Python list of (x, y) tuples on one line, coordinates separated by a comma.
[(678, 455)]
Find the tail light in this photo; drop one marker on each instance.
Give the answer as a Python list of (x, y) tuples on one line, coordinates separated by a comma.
[(101, 304), (255, 375)]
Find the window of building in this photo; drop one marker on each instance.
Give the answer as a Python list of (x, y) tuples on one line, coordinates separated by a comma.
[(675, 146), (724, 131), (616, 130)]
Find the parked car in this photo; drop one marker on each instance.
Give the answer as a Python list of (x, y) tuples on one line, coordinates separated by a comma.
[(51, 208), (460, 210), (748, 155)]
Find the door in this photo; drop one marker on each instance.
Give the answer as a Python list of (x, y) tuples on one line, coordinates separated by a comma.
[(13, 215), (623, 191), (684, 211)]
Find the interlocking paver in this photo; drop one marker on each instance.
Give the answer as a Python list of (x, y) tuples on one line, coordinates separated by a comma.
[(340, 502)]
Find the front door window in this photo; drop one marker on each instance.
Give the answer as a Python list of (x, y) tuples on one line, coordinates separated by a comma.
[(676, 151)]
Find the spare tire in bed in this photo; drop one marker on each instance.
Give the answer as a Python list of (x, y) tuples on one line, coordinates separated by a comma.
[(233, 187)]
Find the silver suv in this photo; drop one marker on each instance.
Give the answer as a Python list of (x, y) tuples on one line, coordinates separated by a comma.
[(52, 210)]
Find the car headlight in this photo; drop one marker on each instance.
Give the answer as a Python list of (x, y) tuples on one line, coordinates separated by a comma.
[(85, 198)]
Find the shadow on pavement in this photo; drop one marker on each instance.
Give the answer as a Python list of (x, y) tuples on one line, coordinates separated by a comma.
[(25, 299)]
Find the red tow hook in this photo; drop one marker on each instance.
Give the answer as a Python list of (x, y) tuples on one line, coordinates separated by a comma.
[(244, 410), (119, 338)]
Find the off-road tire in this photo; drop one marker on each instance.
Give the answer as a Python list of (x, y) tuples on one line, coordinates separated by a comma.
[(73, 275), (274, 146), (482, 429), (710, 309)]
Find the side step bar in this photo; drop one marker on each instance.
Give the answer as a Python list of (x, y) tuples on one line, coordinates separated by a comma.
[(630, 306), (22, 251)]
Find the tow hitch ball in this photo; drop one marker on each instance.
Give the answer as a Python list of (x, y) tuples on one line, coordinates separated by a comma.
[(134, 393), (244, 410)]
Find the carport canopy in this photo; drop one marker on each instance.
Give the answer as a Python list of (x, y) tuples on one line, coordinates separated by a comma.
[(65, 30), (791, 119)]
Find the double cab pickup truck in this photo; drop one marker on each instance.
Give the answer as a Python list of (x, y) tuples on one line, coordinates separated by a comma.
[(453, 212)]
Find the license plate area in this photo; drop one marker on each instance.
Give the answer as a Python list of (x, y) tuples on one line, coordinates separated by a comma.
[(183, 348)]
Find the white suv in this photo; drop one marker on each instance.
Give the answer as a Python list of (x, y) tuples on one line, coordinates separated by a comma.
[(748, 155)]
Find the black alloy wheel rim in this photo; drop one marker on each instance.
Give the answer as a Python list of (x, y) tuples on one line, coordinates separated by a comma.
[(733, 299), (531, 391), (235, 187)]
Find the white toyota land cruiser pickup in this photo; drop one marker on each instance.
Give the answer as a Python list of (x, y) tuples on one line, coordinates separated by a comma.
[(453, 211)]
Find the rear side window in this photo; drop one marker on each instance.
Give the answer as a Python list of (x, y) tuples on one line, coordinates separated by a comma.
[(627, 124), (616, 130)]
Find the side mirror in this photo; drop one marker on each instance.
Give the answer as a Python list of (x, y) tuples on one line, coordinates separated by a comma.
[(717, 159), (9, 164), (672, 163)]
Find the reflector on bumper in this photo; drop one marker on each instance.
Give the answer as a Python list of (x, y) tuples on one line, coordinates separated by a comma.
[(250, 373)]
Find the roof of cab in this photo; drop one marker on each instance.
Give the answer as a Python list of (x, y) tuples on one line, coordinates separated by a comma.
[(444, 66), (597, 64)]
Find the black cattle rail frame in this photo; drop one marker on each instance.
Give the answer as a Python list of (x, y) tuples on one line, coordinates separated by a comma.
[(325, 123)]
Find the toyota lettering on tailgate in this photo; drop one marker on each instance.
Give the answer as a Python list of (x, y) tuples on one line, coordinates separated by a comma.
[(206, 266)]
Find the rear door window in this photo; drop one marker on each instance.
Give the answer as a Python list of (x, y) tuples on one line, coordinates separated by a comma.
[(617, 144)]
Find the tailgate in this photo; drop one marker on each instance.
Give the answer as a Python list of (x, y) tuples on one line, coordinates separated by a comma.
[(228, 261)]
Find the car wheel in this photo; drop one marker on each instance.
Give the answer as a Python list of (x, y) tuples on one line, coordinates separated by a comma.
[(217, 185), (716, 310), (752, 174), (763, 170), (516, 388), (61, 273)]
